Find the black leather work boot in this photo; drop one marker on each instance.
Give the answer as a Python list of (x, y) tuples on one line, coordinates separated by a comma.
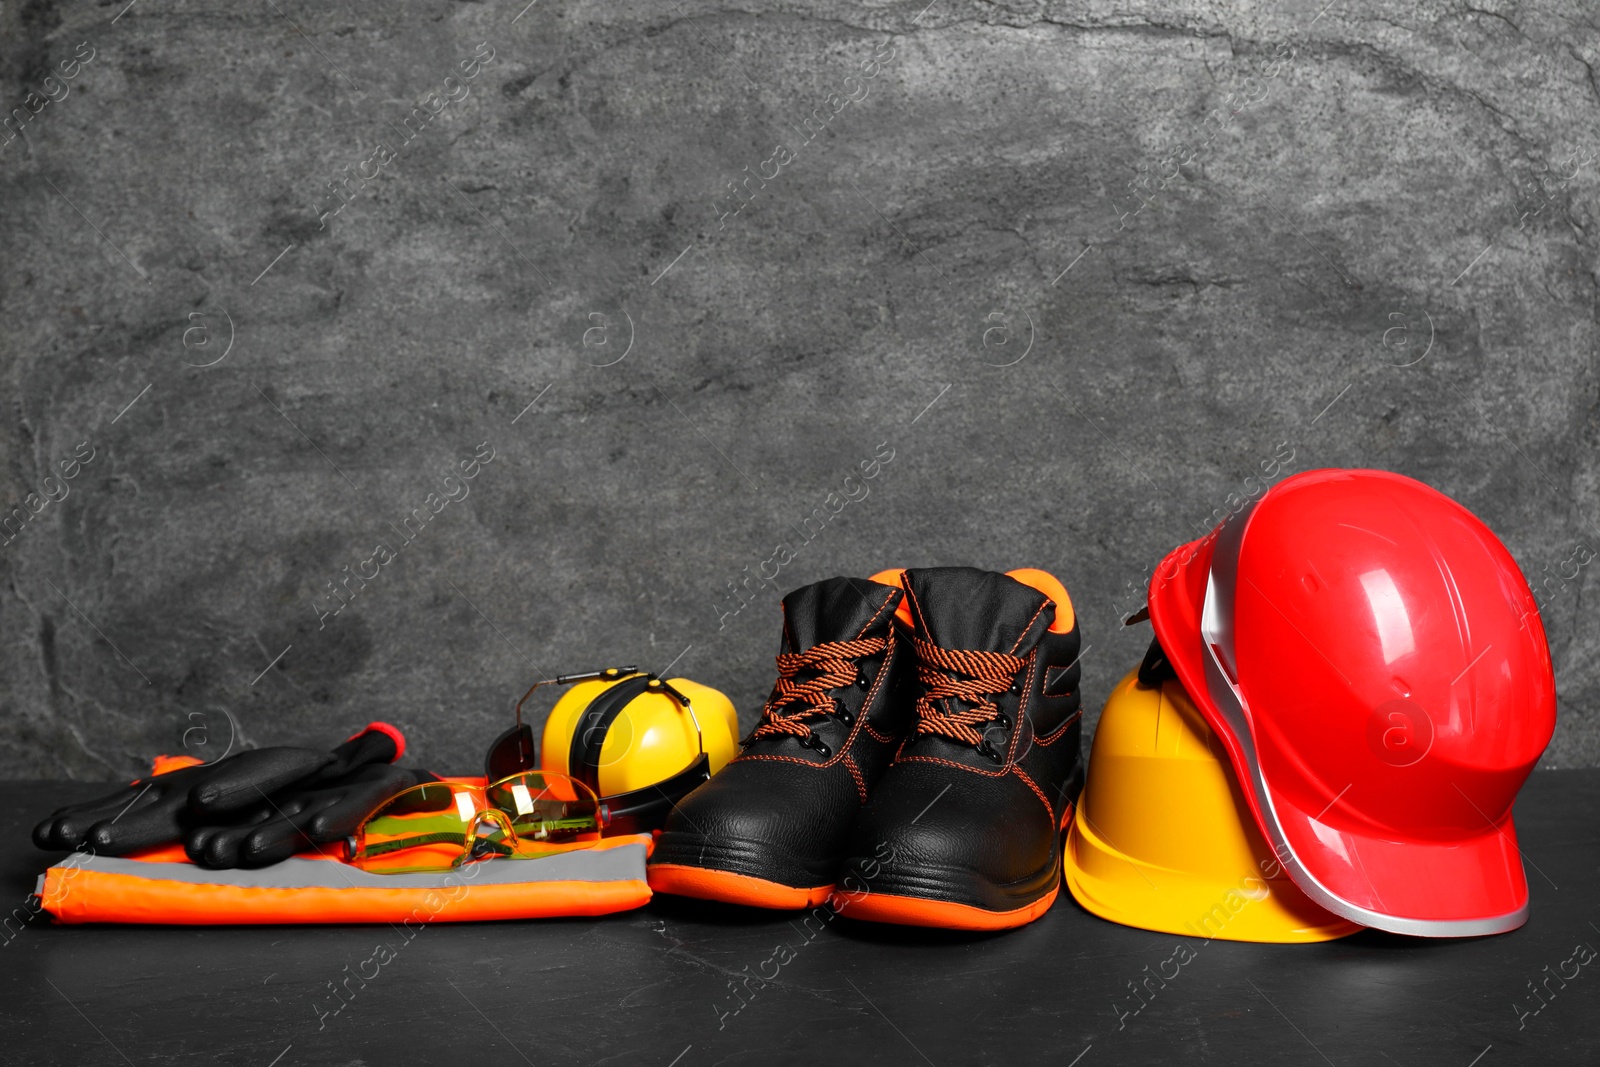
[(964, 831), (769, 829)]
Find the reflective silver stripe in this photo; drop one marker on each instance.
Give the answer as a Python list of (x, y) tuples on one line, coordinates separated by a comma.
[(1216, 618), (1221, 665), (619, 863)]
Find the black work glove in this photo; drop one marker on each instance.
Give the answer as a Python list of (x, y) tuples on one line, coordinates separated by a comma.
[(320, 813), (160, 809)]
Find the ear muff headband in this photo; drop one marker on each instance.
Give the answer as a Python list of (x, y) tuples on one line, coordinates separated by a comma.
[(589, 732)]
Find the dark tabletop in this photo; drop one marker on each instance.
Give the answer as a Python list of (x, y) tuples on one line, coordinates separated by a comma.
[(654, 986)]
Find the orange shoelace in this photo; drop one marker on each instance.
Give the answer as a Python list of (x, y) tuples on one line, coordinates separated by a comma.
[(831, 664), (939, 670)]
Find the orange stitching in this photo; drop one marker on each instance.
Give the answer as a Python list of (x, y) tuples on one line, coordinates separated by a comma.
[(875, 735), (844, 749), (918, 620), (1049, 808), (891, 648), (1022, 708), (875, 615), (792, 759), (951, 763), (1060, 731), (878, 684), (1048, 603)]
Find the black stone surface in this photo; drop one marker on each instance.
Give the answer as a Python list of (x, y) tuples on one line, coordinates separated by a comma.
[(651, 987)]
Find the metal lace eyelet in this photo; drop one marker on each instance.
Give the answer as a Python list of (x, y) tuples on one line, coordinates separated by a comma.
[(845, 715), (818, 745), (986, 749), (1002, 720), (862, 681)]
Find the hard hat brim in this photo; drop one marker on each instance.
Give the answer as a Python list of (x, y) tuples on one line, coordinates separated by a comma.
[(1463, 888), (1161, 839), (1467, 887), (1129, 892)]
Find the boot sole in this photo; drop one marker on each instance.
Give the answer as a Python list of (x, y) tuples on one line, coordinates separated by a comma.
[(733, 871), (946, 914), (925, 897), (728, 887)]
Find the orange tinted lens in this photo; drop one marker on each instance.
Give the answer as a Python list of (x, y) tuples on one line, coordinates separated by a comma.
[(546, 809), (425, 828)]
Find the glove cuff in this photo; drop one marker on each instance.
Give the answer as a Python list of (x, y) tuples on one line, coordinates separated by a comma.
[(168, 764), (394, 733)]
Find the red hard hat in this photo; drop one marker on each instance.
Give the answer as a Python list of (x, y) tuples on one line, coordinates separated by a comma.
[(1374, 663)]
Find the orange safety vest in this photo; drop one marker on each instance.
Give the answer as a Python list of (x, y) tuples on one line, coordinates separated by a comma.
[(162, 886)]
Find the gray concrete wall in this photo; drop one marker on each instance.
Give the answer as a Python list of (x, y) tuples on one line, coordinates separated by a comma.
[(1081, 268)]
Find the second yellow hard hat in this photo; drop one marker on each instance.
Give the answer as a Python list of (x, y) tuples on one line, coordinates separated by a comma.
[(1162, 838)]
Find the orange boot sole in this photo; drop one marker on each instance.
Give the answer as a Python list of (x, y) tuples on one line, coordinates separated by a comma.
[(703, 883), (916, 911), (946, 914)]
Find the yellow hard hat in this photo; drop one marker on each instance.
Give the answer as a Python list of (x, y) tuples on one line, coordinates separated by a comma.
[(1162, 838), (639, 742)]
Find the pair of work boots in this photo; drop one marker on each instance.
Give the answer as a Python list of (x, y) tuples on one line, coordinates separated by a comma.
[(916, 762)]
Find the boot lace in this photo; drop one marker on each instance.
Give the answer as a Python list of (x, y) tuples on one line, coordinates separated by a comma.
[(965, 675), (804, 679)]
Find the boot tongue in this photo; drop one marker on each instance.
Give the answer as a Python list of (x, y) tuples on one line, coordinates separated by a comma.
[(837, 609), (963, 607)]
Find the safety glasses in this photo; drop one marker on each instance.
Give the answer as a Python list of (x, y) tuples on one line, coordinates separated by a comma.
[(439, 826)]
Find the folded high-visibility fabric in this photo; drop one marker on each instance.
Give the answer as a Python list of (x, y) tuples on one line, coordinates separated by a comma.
[(161, 885)]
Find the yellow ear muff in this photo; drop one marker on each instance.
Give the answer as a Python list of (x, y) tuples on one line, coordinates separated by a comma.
[(629, 736)]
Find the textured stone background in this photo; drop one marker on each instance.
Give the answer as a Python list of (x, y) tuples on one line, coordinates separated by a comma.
[(1382, 183)]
